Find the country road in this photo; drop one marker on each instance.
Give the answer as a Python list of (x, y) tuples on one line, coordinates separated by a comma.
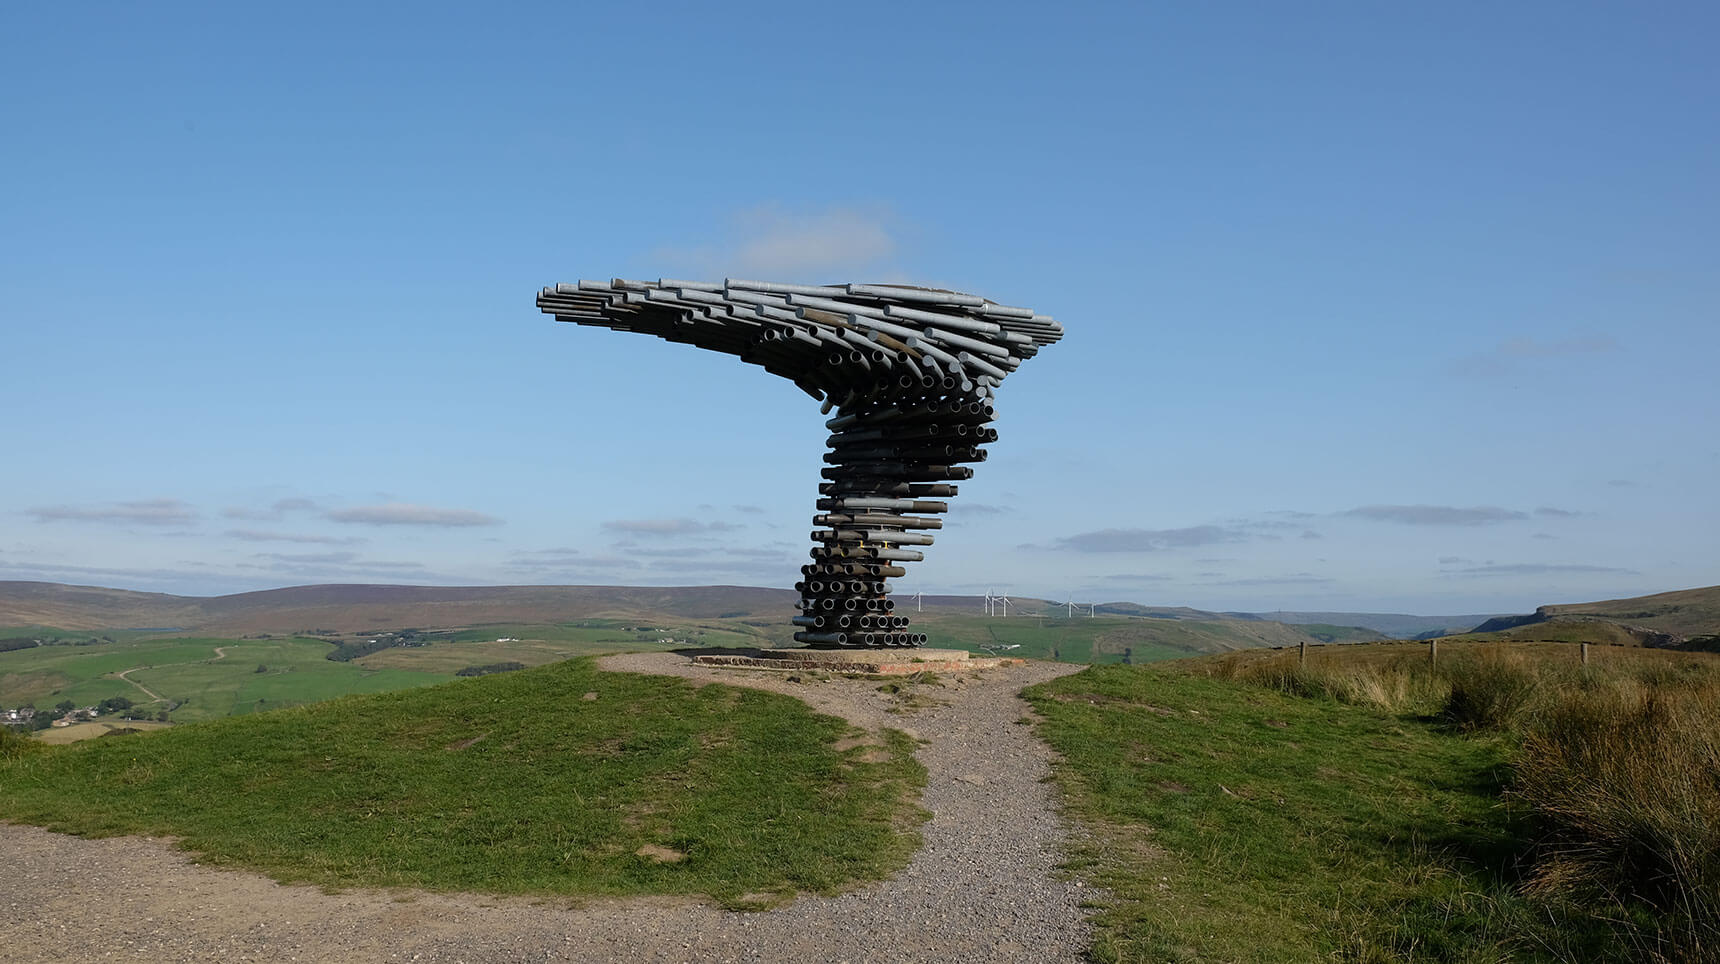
[(154, 697)]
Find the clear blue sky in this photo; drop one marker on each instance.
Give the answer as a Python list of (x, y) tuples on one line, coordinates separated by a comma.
[(1369, 306)]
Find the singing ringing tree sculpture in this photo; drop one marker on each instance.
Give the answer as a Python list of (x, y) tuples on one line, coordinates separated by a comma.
[(910, 373)]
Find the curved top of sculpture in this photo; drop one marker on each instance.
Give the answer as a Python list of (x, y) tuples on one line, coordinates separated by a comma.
[(837, 342)]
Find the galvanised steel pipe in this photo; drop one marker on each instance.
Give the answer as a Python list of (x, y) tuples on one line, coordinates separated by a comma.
[(909, 372)]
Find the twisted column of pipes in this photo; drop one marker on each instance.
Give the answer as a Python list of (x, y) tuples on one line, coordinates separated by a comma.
[(911, 373)]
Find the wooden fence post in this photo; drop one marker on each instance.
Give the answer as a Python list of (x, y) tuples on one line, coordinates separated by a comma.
[(1585, 652), (1433, 652), (1301, 654)]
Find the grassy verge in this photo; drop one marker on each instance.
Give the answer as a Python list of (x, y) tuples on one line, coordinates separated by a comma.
[(1233, 822), (560, 780), (1615, 765), (1508, 803)]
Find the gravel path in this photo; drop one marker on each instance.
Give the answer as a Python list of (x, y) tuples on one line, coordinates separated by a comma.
[(980, 890)]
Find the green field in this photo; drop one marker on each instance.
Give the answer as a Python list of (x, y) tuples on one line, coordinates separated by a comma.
[(209, 678), (202, 678), (199, 678), (612, 635), (560, 780)]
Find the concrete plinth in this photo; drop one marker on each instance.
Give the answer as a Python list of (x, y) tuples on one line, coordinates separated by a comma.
[(870, 662)]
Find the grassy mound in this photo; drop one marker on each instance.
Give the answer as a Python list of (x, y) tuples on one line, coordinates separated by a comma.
[(1238, 823), (559, 780)]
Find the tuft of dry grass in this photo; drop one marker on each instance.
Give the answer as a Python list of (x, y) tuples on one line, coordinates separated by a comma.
[(14, 744), (1624, 776), (1399, 684), (1496, 688)]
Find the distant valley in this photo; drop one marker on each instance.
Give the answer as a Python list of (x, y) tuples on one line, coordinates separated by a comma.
[(185, 658), (348, 608)]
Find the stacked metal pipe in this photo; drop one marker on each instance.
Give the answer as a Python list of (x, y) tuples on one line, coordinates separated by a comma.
[(910, 374)]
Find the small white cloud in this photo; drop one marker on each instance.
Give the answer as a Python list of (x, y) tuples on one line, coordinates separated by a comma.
[(52, 572), (404, 514), (1532, 348), (1294, 579), (148, 512), (262, 535), (273, 513), (305, 558), (669, 552), (1511, 355), (666, 527), (979, 508), (1437, 515), (775, 243), (1148, 540), (1535, 569)]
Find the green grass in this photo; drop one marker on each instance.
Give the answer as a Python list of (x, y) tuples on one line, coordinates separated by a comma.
[(190, 674), (506, 784), (1237, 823)]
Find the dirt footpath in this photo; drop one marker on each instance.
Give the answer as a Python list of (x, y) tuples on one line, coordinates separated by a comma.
[(980, 890)]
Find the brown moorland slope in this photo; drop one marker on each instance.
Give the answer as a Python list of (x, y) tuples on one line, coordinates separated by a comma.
[(359, 607), (91, 607), (352, 608), (1675, 618), (1685, 612)]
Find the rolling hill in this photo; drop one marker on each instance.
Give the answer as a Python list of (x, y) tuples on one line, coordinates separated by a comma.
[(350, 608), (1395, 625), (1685, 617), (1038, 627)]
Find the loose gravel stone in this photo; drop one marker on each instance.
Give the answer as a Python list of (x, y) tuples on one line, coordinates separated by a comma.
[(982, 888)]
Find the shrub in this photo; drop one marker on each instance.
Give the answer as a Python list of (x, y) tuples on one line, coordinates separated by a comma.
[(14, 744), (489, 668), (1490, 690)]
